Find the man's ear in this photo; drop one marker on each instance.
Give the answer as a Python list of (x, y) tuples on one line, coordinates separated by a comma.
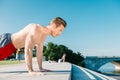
[(54, 25)]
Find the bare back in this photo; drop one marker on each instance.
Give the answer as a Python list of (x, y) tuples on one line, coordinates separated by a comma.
[(33, 30)]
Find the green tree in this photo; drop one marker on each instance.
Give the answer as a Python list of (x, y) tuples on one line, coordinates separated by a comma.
[(55, 52)]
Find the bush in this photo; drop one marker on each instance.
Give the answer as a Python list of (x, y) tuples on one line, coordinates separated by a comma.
[(55, 52)]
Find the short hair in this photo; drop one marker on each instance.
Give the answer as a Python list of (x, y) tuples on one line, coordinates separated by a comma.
[(58, 21)]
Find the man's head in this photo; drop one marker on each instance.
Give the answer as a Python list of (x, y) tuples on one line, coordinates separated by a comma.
[(58, 25)]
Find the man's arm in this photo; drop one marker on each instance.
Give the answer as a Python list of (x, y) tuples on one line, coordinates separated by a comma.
[(28, 52), (39, 57), (29, 45)]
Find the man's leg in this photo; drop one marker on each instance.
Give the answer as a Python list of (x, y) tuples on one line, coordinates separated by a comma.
[(6, 46)]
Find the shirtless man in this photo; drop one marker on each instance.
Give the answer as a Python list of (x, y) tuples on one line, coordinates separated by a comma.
[(32, 35)]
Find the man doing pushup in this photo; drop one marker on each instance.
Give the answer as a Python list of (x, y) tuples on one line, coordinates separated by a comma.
[(30, 36)]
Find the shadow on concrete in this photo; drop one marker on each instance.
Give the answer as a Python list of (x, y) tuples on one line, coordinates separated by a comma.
[(55, 72), (60, 71), (49, 72), (15, 72)]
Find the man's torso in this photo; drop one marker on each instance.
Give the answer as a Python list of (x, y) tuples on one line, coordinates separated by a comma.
[(19, 38)]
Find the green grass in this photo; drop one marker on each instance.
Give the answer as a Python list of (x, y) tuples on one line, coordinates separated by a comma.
[(7, 62)]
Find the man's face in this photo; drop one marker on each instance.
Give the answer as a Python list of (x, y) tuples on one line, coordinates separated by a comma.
[(57, 31)]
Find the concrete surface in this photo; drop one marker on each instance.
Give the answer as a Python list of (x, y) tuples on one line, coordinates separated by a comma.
[(60, 71)]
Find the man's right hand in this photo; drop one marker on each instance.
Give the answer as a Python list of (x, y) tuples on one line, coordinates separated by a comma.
[(36, 73)]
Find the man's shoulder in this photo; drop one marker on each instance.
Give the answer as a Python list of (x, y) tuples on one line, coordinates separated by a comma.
[(38, 25), (34, 28), (34, 25)]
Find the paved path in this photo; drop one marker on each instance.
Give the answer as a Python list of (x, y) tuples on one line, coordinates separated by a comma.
[(60, 71)]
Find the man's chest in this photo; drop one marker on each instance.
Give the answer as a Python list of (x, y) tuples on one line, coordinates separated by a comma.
[(39, 39)]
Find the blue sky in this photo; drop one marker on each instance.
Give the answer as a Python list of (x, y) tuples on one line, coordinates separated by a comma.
[(93, 25)]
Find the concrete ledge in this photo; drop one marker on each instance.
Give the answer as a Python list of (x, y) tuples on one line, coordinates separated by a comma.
[(80, 73)]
